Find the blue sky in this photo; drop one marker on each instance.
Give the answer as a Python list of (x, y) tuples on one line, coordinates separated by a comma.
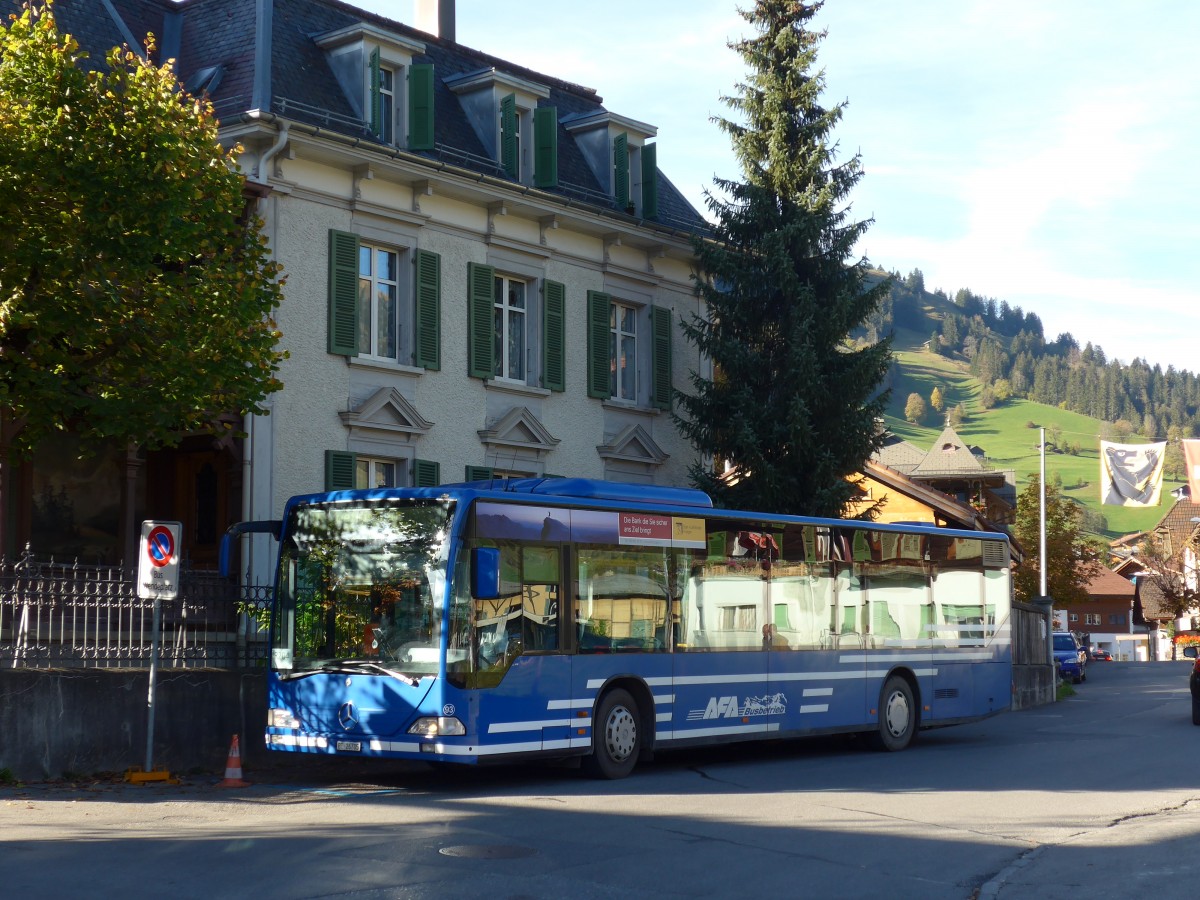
[(1042, 154)]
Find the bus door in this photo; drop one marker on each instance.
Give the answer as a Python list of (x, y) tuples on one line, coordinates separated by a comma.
[(515, 655)]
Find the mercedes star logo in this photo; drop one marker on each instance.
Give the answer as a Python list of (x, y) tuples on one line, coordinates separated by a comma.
[(347, 717)]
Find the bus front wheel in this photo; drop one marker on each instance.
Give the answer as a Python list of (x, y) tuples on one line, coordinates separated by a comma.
[(897, 715), (616, 738)]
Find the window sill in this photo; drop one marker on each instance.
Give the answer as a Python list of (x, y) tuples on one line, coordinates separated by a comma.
[(629, 406), (366, 362), (515, 387)]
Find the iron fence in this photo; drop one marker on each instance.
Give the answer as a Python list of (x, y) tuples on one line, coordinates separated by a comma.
[(74, 615)]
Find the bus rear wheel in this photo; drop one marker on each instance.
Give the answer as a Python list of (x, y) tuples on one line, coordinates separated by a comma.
[(616, 737), (897, 715)]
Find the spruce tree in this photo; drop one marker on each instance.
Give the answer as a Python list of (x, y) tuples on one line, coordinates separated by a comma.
[(791, 408)]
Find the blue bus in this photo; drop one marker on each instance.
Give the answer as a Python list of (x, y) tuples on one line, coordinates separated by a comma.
[(510, 620)]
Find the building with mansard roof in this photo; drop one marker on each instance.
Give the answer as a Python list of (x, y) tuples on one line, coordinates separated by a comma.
[(486, 274)]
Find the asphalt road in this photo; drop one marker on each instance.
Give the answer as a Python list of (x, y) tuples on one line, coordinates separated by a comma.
[(1095, 796)]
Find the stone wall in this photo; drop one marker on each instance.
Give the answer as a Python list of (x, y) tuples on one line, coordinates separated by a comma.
[(85, 721)]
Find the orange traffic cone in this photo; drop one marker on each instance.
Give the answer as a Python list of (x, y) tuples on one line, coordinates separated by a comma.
[(233, 767)]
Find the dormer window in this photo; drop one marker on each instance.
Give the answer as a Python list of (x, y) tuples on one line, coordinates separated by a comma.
[(616, 150), (517, 132), (390, 92)]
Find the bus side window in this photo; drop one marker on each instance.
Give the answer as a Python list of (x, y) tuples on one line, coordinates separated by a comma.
[(623, 600)]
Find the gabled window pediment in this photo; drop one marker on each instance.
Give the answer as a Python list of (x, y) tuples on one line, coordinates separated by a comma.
[(387, 410), (519, 428), (633, 444)]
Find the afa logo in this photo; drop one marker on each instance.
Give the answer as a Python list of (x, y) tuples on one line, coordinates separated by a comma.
[(729, 707), (722, 708)]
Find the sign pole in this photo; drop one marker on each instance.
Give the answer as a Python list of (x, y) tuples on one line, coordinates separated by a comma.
[(158, 579), (154, 642)]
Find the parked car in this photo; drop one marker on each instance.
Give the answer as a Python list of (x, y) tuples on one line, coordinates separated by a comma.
[(1193, 653), (1070, 656), (1103, 655)]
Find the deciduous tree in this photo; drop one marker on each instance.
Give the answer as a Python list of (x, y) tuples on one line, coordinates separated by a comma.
[(791, 407), (1171, 573), (1071, 559), (914, 408), (136, 293)]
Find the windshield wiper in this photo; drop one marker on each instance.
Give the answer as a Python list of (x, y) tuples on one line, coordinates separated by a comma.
[(352, 665)]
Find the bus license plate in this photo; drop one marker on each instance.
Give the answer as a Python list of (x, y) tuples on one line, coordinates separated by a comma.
[(354, 746)]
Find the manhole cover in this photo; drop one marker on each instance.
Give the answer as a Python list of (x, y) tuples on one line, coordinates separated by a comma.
[(488, 851)]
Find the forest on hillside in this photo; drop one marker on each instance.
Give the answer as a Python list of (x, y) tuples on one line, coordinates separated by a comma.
[(1006, 349)]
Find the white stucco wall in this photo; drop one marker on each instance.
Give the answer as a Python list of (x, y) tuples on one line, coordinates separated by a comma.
[(316, 194)]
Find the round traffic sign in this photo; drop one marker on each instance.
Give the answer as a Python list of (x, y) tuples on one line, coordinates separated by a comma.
[(160, 546)]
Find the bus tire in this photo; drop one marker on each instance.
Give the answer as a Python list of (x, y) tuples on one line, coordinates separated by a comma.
[(616, 737), (897, 715)]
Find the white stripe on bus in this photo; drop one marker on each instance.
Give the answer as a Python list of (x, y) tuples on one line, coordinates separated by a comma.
[(503, 727), (685, 733)]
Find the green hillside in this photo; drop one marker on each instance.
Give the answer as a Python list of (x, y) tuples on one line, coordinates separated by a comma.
[(1005, 434)]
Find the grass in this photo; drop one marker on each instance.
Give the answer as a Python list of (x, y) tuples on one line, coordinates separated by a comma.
[(1005, 436)]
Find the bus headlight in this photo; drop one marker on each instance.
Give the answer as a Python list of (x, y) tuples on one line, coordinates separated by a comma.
[(437, 726), (281, 718)]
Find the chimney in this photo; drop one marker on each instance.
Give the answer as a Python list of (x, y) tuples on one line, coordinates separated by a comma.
[(436, 17)]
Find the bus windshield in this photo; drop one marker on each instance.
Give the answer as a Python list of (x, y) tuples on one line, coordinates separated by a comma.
[(361, 588)]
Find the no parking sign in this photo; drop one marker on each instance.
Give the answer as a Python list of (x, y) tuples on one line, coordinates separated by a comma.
[(158, 567)]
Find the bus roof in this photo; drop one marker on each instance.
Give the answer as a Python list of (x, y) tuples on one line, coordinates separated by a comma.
[(595, 493)]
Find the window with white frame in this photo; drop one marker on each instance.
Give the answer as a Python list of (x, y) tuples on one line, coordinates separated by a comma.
[(1072, 617), (511, 335), (623, 358), (378, 302), (1091, 619), (387, 104), (371, 472)]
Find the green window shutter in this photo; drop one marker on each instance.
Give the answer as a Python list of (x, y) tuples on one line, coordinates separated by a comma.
[(660, 357), (508, 136), (621, 170), (545, 144), (599, 373), (650, 181), (376, 114), (339, 470), (343, 293), (428, 324), (426, 473), (420, 107), (554, 337), (481, 323), (480, 473)]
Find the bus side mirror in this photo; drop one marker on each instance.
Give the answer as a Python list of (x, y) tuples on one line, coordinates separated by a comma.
[(485, 573), (271, 527)]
